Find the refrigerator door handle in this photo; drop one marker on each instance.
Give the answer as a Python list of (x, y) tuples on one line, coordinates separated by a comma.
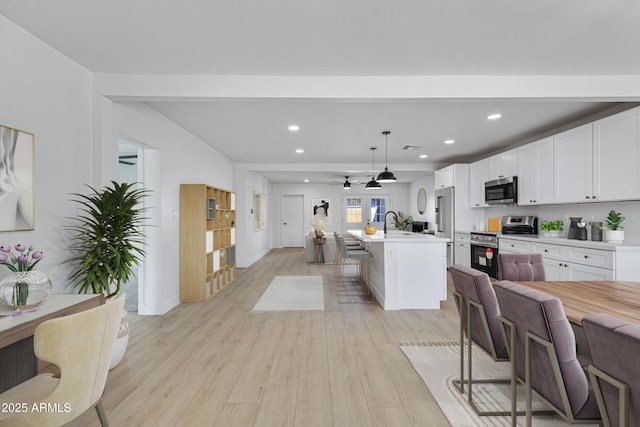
[(438, 213)]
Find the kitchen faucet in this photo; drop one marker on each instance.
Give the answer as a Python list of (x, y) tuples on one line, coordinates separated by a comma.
[(385, 220)]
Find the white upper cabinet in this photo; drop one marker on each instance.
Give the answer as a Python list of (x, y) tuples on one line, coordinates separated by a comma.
[(573, 165), (616, 156), (536, 172), (503, 165), (598, 161), (478, 175), (444, 177)]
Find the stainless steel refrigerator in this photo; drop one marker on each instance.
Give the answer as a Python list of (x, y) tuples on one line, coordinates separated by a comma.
[(445, 221)]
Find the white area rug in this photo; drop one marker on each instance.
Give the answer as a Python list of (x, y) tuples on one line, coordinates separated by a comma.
[(292, 293), (438, 365)]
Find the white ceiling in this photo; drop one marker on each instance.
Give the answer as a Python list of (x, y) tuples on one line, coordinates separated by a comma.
[(356, 38)]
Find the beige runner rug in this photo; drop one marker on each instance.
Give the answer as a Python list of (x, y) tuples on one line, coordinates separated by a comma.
[(438, 366)]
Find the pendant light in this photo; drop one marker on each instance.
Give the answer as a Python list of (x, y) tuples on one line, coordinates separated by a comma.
[(386, 176), (373, 184)]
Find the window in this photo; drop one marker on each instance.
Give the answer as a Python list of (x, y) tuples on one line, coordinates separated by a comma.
[(378, 209), (354, 210)]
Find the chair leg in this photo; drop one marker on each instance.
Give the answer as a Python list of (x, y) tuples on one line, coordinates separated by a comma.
[(101, 414)]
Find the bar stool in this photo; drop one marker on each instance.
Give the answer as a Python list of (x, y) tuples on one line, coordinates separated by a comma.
[(352, 288)]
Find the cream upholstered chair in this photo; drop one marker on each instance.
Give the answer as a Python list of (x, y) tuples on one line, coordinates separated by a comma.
[(80, 345), (352, 288)]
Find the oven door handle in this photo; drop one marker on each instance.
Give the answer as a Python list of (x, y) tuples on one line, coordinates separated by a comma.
[(483, 244)]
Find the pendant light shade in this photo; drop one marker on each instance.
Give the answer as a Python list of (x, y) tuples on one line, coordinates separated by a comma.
[(386, 176), (373, 184)]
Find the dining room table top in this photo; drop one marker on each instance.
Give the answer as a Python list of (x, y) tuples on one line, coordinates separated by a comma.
[(620, 299)]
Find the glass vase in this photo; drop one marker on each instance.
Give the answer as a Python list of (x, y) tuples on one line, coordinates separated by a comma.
[(23, 289)]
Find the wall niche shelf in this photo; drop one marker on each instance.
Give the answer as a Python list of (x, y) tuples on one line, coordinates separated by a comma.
[(207, 241)]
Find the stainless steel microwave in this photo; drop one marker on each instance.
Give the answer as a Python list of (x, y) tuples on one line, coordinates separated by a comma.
[(501, 191)]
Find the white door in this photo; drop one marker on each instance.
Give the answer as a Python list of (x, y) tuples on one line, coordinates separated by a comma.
[(292, 219), (358, 209)]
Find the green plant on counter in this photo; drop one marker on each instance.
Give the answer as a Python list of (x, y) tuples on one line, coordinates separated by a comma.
[(402, 223), (613, 220), (556, 225)]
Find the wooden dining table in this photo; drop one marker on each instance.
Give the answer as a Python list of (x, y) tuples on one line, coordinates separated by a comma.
[(579, 298), (17, 360)]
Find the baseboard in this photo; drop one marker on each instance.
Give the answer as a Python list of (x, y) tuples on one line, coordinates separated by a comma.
[(245, 264), (158, 309)]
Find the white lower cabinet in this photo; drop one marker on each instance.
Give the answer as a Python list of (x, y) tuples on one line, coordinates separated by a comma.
[(558, 270), (565, 262), (463, 249)]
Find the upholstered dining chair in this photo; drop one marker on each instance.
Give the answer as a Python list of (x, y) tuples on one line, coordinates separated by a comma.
[(520, 267), (615, 369), (543, 355), (478, 309), (80, 345)]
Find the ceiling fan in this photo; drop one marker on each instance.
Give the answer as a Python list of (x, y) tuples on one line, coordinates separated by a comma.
[(123, 159), (347, 184)]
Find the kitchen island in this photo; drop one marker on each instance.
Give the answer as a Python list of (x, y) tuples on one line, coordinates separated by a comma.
[(408, 270)]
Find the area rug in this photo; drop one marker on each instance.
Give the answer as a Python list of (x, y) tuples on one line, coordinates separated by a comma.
[(292, 293), (438, 366)]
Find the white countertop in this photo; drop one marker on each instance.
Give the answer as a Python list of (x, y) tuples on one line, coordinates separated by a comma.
[(572, 242), (397, 236)]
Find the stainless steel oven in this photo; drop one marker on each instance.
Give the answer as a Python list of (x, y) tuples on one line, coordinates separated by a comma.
[(484, 253)]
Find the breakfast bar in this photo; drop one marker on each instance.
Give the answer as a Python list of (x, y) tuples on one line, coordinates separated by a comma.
[(408, 270)]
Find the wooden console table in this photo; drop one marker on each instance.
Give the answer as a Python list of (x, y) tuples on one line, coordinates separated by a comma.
[(18, 363)]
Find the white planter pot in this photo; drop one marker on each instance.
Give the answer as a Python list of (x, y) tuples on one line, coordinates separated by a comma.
[(122, 340), (551, 234), (614, 236)]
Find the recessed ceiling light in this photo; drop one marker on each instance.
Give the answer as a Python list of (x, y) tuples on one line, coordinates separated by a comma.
[(306, 180), (494, 116), (449, 141), (299, 150), (294, 128), (423, 156)]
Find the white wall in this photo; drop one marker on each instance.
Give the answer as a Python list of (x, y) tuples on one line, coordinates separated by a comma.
[(46, 93), (250, 245), (428, 183), (176, 157), (599, 211), (399, 201)]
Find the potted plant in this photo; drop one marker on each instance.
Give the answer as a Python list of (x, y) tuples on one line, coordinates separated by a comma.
[(551, 228), (400, 222), (107, 244), (613, 230)]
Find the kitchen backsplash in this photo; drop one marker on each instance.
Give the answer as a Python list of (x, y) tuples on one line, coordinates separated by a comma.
[(599, 211)]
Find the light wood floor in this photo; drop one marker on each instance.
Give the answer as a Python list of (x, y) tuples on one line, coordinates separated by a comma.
[(219, 364)]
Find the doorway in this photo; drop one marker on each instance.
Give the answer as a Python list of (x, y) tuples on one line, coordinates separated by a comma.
[(360, 209), (130, 170), (292, 219)]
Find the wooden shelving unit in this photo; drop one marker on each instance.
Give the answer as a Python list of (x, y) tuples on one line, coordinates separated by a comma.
[(207, 241)]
